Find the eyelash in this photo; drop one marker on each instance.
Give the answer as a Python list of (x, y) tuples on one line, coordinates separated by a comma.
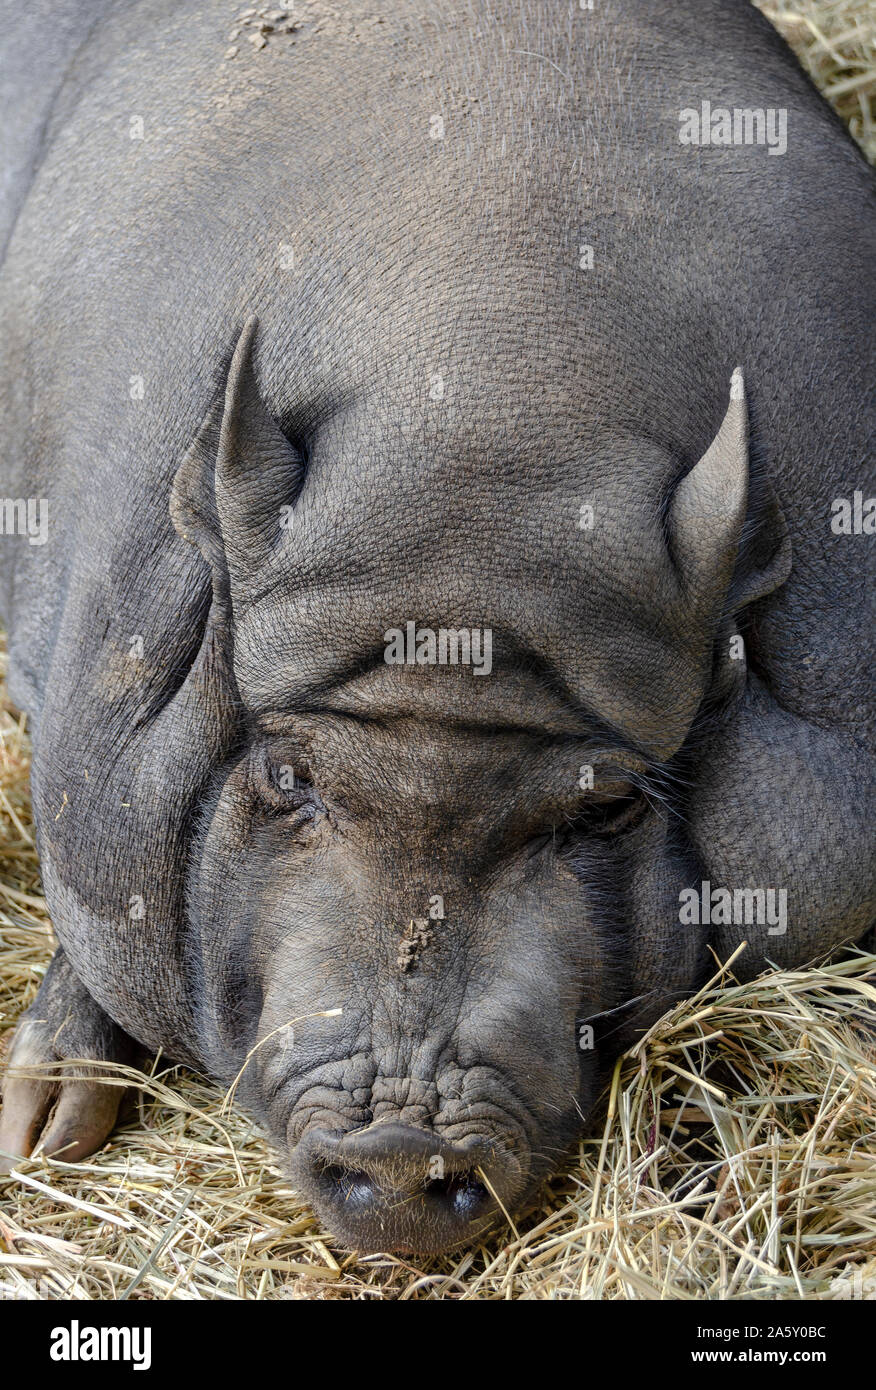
[(268, 777), (614, 817)]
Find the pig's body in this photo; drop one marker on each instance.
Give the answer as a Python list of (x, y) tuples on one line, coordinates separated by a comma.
[(436, 386)]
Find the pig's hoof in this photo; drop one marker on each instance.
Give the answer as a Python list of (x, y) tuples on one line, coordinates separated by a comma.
[(66, 1112)]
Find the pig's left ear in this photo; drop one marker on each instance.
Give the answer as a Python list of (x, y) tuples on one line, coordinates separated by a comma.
[(238, 475), (725, 528)]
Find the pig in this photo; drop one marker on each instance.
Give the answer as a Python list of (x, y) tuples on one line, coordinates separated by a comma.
[(437, 561)]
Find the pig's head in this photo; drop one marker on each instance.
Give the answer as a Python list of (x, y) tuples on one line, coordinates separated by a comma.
[(423, 893), (415, 906)]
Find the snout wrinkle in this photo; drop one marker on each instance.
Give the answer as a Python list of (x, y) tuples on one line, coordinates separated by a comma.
[(410, 1165)]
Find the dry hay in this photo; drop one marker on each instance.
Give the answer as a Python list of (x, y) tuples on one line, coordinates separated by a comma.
[(735, 1157), (835, 40)]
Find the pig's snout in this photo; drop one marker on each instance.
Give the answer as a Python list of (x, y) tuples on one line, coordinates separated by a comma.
[(394, 1186)]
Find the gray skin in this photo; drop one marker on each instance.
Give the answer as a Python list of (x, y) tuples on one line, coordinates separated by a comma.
[(288, 260)]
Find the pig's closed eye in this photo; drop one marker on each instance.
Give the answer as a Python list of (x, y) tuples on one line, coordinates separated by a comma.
[(282, 788), (609, 812)]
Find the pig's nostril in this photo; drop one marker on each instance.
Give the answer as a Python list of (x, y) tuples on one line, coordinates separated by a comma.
[(464, 1196), (356, 1189), (379, 1189), (461, 1195)]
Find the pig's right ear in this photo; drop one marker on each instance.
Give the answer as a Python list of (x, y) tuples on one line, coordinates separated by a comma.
[(235, 478), (728, 539)]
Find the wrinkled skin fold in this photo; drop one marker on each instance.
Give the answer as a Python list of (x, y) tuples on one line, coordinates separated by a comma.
[(411, 911)]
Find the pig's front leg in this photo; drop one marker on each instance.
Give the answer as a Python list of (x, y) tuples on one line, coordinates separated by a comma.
[(68, 1116)]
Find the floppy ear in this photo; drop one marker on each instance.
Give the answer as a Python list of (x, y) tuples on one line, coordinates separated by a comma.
[(236, 478), (725, 529)]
